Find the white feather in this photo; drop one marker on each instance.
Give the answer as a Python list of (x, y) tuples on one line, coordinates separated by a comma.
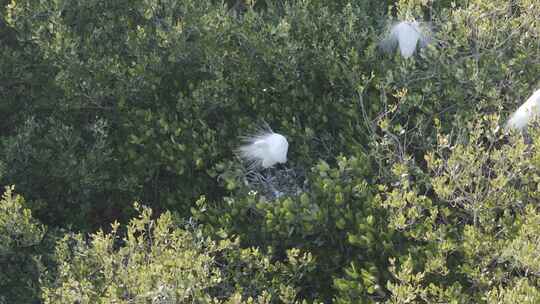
[(525, 113), (266, 149), (407, 36)]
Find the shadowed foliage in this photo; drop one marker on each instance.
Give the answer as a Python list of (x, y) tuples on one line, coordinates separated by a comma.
[(399, 185)]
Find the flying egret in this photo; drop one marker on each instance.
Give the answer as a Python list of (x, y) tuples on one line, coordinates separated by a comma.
[(407, 36), (265, 149), (527, 111)]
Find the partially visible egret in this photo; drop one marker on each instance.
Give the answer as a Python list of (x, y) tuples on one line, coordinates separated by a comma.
[(527, 111), (265, 149), (407, 36)]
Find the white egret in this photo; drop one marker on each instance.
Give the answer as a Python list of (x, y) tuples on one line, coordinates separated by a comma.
[(407, 36), (527, 111), (265, 149)]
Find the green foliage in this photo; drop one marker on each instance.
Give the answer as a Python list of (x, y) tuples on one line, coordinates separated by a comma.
[(157, 262), (474, 235), (75, 168), (162, 75), (19, 236), (404, 188), (25, 82), (338, 220)]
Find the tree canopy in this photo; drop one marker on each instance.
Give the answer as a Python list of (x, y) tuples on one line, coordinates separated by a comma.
[(400, 185)]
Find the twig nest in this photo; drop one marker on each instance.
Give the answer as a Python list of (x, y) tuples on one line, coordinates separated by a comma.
[(408, 36), (525, 113), (265, 149)]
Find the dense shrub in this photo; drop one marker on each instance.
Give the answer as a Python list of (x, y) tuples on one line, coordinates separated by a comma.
[(400, 183), (157, 262), (177, 82), (76, 167), (20, 236), (25, 85), (338, 220), (472, 222), (163, 86)]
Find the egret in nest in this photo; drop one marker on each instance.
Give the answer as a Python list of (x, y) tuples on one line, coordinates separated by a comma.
[(407, 35), (264, 149), (527, 111)]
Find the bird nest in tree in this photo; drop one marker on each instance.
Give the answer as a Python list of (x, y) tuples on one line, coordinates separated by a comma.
[(273, 183)]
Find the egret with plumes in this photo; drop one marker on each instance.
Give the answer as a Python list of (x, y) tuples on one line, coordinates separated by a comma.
[(527, 111), (407, 36), (265, 149)]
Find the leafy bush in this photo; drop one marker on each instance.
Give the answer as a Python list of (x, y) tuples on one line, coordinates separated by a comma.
[(399, 183), (339, 220), (156, 262), (163, 74), (20, 235), (472, 232), (75, 167)]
